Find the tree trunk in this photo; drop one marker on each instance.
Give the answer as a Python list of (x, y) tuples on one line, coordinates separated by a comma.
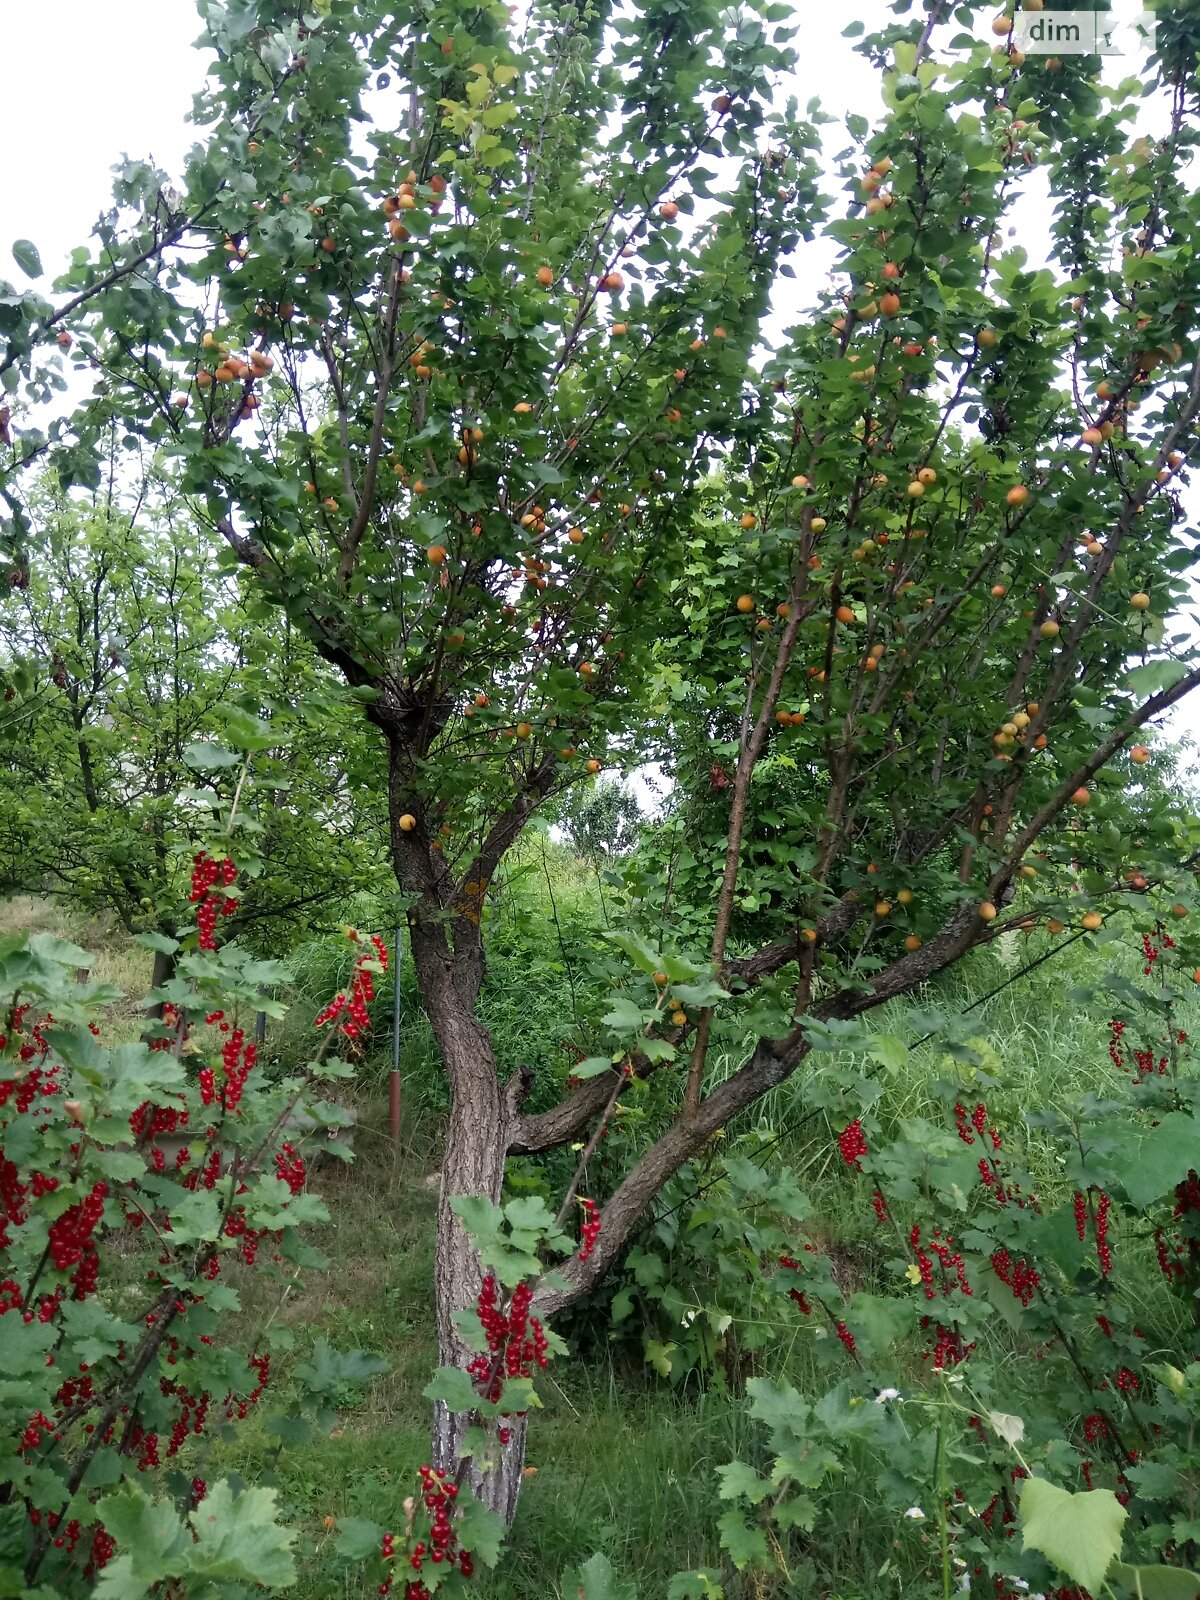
[(472, 1164)]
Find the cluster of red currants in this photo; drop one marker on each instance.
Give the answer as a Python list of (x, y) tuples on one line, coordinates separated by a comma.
[(589, 1231), (208, 875), (354, 1006)]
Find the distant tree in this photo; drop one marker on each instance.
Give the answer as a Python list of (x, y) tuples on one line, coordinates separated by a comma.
[(601, 821), (132, 650)]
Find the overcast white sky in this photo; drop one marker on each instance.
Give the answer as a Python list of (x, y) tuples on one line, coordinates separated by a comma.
[(82, 84)]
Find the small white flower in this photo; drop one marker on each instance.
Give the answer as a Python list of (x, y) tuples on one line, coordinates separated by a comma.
[(886, 1394), (915, 1514)]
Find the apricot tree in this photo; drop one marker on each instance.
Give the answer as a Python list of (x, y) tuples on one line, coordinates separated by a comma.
[(452, 317)]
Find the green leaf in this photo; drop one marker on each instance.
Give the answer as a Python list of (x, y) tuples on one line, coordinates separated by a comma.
[(358, 1538), (745, 1546), (592, 1067), (1153, 1166), (240, 1540), (208, 757), (739, 1481), (1155, 676), (1079, 1533), (1156, 1583), (480, 1530), (623, 1015), (596, 1580), (25, 254), (453, 1387), (890, 1052), (150, 1531), (23, 1346), (703, 1584)]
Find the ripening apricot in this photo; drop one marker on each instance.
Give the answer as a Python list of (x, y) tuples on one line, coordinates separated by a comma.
[(407, 822), (594, 766), (1017, 495), (1092, 437), (1092, 920), (328, 246), (809, 934), (988, 338), (330, 504), (436, 554), (818, 525), (927, 475), (620, 329), (482, 700), (611, 283), (1139, 755), (1179, 911), (916, 489), (999, 590), (1050, 629), (1081, 797), (1040, 742), (586, 669), (905, 897), (575, 535), (749, 520), (889, 304), (1002, 27), (1140, 601), (883, 908), (844, 614), (668, 211), (912, 943), (523, 730), (545, 276), (1053, 925), (891, 270), (987, 911), (745, 603)]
